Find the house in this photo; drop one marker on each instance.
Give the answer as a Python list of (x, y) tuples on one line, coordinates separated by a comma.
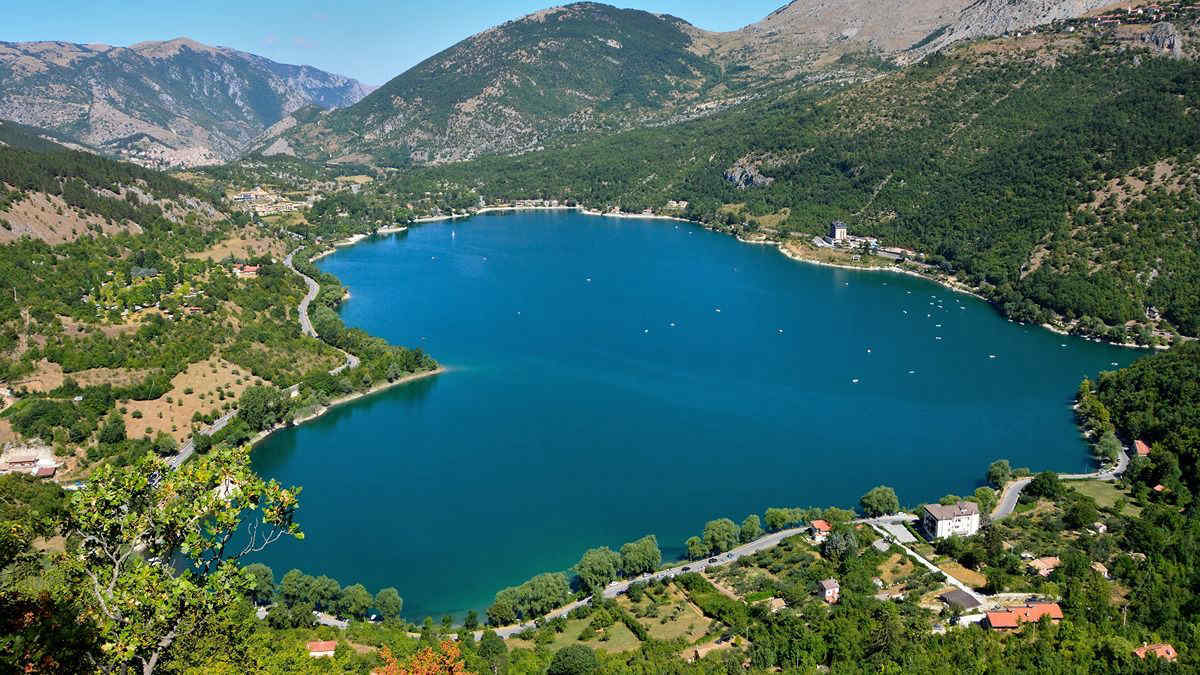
[(960, 600), (246, 271), (838, 232), (1011, 619), (1100, 569), (1099, 528), (1160, 488), (321, 648), (45, 471), (829, 590), (1140, 447), (956, 519), (1162, 650), (820, 529), (1045, 566), (776, 604)]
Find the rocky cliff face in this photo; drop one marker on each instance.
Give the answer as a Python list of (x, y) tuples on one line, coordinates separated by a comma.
[(998, 17), (175, 103), (1167, 38)]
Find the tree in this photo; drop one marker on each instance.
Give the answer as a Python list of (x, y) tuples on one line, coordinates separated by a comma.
[(696, 548), (445, 660), (262, 588), (840, 546), (779, 518), (296, 587), (879, 501), (641, 556), (1045, 484), (262, 407), (471, 622), (999, 472), (1080, 513), (326, 592), (986, 498), (573, 660), (1108, 448), (164, 444), (501, 613), (113, 431), (493, 650), (751, 529), (354, 602), (598, 568), (720, 535), (142, 603), (202, 443), (390, 604)]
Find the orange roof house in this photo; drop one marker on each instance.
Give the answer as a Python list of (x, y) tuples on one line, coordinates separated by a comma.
[(1141, 448), (1045, 566), (1011, 619), (321, 648), (821, 526), (1162, 650)]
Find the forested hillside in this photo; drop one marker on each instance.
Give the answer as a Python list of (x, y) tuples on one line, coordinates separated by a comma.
[(998, 159)]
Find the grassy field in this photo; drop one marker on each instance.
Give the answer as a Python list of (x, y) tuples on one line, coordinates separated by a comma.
[(1105, 493), (688, 622), (619, 638), (969, 577)]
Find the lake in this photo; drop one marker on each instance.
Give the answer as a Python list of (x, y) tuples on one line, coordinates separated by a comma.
[(612, 378)]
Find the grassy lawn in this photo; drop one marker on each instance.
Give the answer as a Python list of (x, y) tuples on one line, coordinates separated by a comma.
[(688, 622), (1105, 493), (895, 568), (619, 638), (969, 577)]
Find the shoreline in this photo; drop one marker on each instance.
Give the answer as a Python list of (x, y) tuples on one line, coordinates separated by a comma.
[(348, 398), (780, 246)]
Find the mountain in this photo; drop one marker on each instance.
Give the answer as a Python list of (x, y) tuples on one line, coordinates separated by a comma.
[(1056, 173), (545, 79), (174, 103), (567, 69)]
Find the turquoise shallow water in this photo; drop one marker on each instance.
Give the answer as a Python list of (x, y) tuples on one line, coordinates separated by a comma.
[(597, 395)]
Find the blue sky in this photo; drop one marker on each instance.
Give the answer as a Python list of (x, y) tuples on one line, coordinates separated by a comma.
[(372, 40)]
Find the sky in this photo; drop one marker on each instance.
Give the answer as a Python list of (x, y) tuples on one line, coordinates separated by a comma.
[(371, 40)]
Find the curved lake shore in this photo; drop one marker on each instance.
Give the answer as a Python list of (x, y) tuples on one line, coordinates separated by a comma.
[(598, 395)]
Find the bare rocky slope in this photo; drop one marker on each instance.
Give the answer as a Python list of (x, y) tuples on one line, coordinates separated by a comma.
[(174, 103), (546, 78)]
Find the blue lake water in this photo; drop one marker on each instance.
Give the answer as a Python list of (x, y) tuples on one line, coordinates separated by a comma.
[(612, 378)]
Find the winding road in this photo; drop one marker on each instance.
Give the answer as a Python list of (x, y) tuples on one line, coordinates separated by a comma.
[(1012, 490), (306, 326), (189, 448)]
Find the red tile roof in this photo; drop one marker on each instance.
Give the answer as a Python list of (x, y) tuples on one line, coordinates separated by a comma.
[(1160, 487), (821, 526), (322, 646), (45, 471), (1011, 618), (1162, 650), (1141, 448)]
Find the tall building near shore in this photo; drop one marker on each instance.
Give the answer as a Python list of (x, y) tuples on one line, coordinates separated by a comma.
[(838, 231)]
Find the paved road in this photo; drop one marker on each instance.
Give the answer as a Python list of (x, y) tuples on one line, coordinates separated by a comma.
[(313, 289), (1012, 491), (188, 449), (931, 567), (618, 587)]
